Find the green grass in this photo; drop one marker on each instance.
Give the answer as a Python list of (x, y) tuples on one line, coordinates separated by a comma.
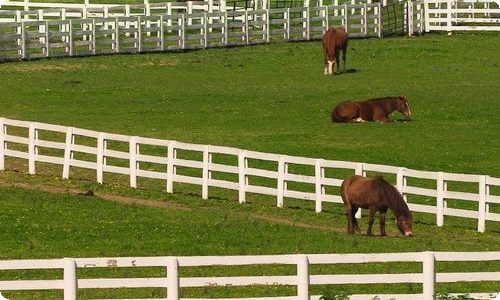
[(271, 98)]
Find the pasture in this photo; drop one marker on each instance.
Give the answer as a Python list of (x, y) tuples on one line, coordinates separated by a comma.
[(271, 98)]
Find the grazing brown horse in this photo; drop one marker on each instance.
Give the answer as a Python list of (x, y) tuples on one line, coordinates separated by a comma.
[(375, 194), (334, 40), (377, 109)]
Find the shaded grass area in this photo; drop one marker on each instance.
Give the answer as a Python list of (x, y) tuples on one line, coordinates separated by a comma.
[(38, 224)]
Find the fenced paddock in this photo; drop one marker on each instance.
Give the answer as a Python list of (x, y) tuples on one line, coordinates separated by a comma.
[(245, 171), (303, 278)]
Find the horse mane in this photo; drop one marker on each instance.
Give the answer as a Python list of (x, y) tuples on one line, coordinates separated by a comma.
[(396, 201)]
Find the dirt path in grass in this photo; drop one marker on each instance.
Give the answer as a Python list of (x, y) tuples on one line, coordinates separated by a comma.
[(155, 203)]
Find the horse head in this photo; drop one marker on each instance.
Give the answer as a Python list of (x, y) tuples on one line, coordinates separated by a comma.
[(403, 107), (405, 225)]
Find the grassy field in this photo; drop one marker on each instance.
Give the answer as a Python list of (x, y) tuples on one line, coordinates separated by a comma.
[(271, 98)]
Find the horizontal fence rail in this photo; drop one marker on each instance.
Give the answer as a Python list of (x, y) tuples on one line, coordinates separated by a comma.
[(172, 30), (245, 171), (302, 278)]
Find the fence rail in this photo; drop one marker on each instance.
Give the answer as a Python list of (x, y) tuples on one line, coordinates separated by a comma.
[(302, 279), (235, 169)]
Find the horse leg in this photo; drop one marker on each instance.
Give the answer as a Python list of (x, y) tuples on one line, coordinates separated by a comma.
[(325, 59), (350, 216), (343, 57), (371, 220), (338, 61), (382, 221), (354, 209)]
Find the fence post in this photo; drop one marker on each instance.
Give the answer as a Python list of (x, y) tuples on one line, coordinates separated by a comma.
[(268, 26), (429, 275), (70, 280), (346, 18), (242, 178), (172, 279), (170, 166), (448, 16), (401, 182), (481, 219), (206, 173), (31, 148), (303, 278), (67, 152), (133, 151), (379, 20), (281, 181), (100, 157), (359, 171), (440, 199), (287, 24), (426, 16), (117, 36), (2, 144), (319, 174)]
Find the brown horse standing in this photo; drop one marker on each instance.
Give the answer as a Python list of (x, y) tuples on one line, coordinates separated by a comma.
[(334, 40), (375, 194), (377, 109)]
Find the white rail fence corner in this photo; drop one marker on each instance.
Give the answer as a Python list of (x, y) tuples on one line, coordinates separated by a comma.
[(303, 279), (240, 170)]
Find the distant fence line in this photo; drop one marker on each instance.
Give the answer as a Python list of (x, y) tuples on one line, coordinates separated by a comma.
[(231, 168), (303, 279), (73, 37)]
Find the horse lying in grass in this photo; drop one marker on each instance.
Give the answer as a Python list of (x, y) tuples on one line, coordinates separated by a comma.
[(334, 40), (375, 194), (377, 109)]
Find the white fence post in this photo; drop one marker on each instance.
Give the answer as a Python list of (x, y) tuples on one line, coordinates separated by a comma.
[(401, 182), (449, 16), (31, 148), (70, 280), (170, 167), (281, 181), (481, 218), (67, 152), (440, 199), (303, 278), (172, 279), (100, 157), (242, 178), (205, 173), (133, 150), (319, 174), (429, 275), (358, 171), (2, 144)]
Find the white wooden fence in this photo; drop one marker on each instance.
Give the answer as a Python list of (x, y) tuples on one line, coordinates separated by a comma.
[(175, 31), (241, 170), (303, 278), (463, 15)]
